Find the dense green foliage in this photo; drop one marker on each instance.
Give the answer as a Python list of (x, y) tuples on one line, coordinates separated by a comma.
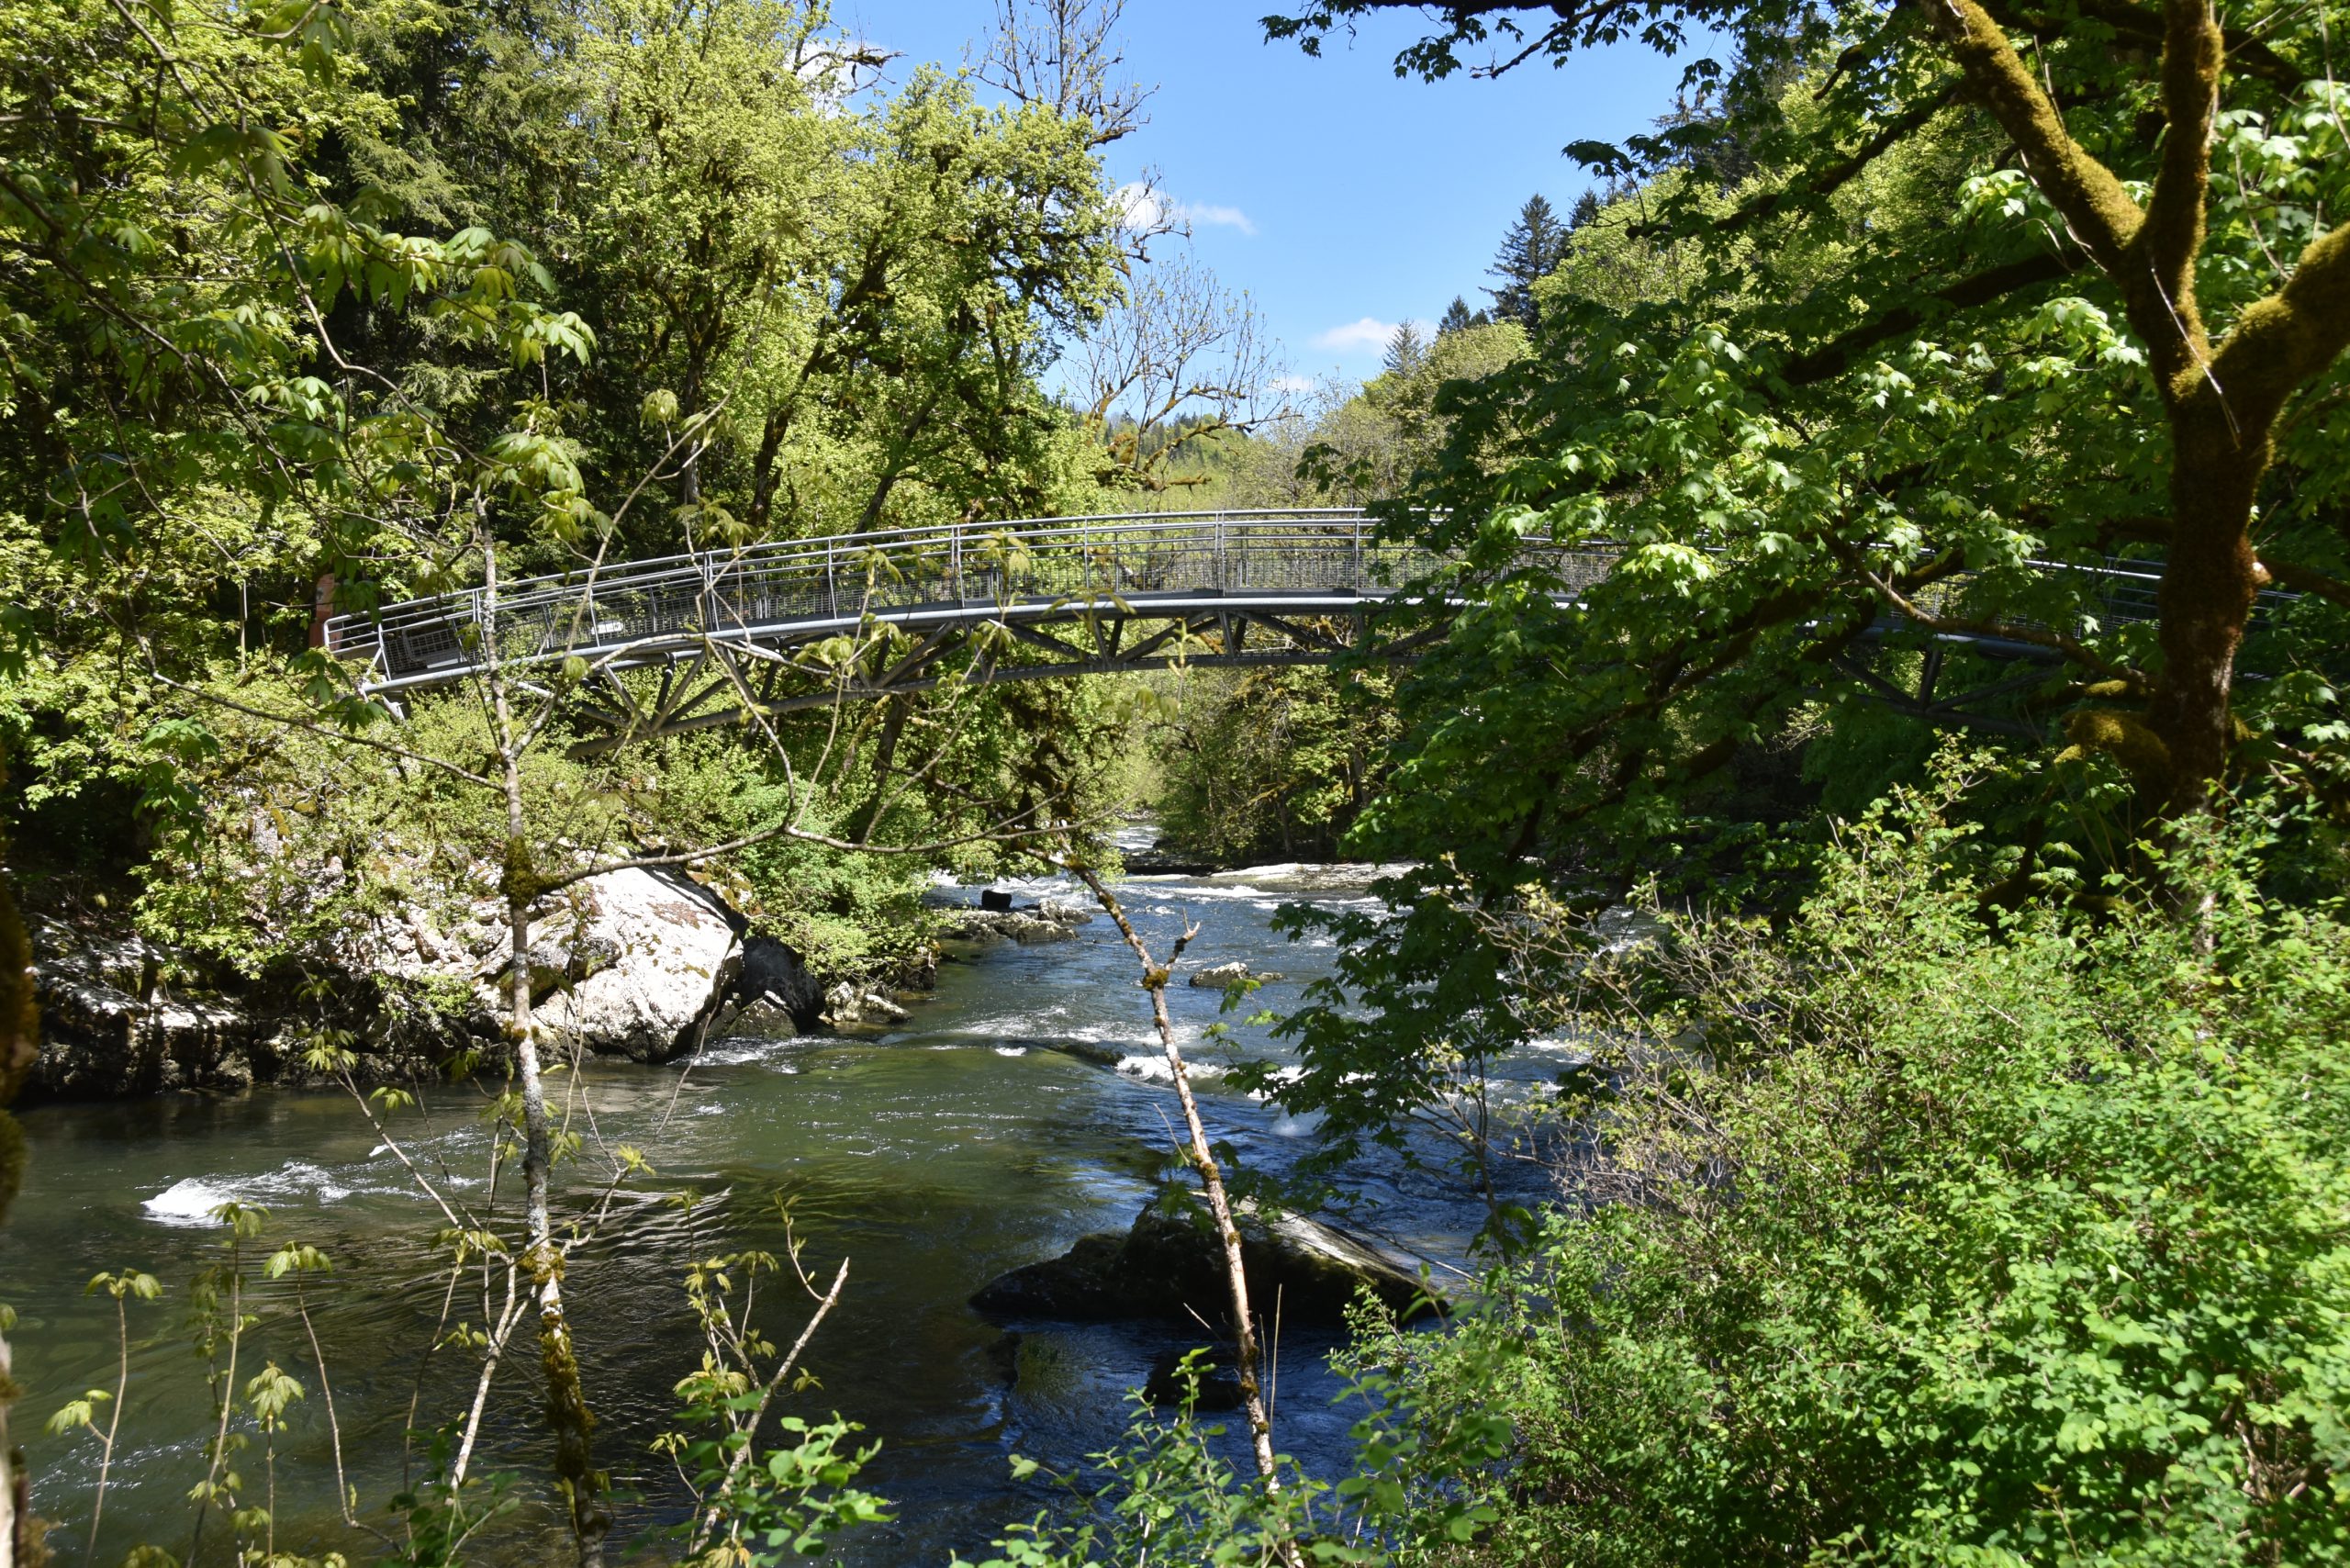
[(1268, 764), (1963, 1185), (1936, 1241), (448, 315)]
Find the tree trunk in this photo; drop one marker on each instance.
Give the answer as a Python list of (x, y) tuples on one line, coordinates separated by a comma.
[(567, 1413), (19, 1048), (2206, 595), (573, 1423), (763, 470)]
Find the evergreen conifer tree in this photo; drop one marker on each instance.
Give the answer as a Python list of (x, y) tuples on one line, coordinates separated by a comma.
[(1406, 350), (1532, 247), (1458, 315)]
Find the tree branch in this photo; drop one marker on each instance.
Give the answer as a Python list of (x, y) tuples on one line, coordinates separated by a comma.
[(2056, 641), (2290, 338), (2246, 54), (2102, 217), (2307, 580), (798, 834), (2172, 234), (1834, 357), (1828, 181)]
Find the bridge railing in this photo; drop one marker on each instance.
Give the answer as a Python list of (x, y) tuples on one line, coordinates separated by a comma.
[(798, 588), (809, 584)]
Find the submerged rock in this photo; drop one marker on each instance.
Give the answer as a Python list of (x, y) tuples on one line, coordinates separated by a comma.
[(1168, 1266), (1093, 1051), (1219, 1388)]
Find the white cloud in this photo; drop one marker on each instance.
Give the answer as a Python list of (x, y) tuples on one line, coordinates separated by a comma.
[(1140, 207), (1222, 217), (1369, 334), (1143, 208)]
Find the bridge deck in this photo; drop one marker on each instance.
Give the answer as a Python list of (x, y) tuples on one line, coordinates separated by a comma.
[(1206, 581)]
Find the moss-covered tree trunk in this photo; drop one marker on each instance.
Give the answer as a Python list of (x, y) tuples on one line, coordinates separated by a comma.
[(2206, 600), (2220, 399)]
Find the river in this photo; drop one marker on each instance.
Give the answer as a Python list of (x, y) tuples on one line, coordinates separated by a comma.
[(933, 1156)]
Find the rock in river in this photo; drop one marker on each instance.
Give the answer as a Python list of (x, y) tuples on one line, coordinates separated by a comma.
[(1224, 975), (1169, 1266), (849, 1002), (774, 973), (669, 958), (1045, 922)]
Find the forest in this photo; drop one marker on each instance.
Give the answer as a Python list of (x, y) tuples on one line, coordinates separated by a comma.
[(1806, 877)]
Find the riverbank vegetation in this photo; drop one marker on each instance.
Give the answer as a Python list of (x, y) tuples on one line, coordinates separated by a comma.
[(1919, 848)]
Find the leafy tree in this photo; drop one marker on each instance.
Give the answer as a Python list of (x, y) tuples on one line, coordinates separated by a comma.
[(1796, 438), (1796, 433), (19, 1048), (1368, 447), (1407, 350)]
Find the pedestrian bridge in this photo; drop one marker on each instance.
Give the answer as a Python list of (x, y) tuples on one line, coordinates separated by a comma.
[(725, 631)]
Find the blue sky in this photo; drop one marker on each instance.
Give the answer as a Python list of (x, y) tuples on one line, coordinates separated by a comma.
[(1342, 199)]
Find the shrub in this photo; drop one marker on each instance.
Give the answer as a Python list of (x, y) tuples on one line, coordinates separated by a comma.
[(1949, 1240)]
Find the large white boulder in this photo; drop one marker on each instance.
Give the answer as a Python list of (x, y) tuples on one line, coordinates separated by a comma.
[(645, 959)]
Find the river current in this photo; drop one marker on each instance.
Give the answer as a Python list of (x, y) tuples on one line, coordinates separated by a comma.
[(934, 1155)]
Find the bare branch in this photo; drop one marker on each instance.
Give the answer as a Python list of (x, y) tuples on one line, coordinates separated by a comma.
[(1179, 360), (1153, 981), (1064, 55)]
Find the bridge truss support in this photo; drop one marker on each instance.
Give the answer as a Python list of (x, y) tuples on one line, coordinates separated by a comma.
[(722, 681)]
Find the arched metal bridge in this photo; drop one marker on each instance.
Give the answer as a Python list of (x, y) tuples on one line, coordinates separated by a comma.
[(1025, 601), (731, 630)]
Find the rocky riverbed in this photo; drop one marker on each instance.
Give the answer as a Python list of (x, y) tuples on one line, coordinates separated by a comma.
[(640, 964)]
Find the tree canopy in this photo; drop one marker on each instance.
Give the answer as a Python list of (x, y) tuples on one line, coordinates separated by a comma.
[(1811, 396)]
